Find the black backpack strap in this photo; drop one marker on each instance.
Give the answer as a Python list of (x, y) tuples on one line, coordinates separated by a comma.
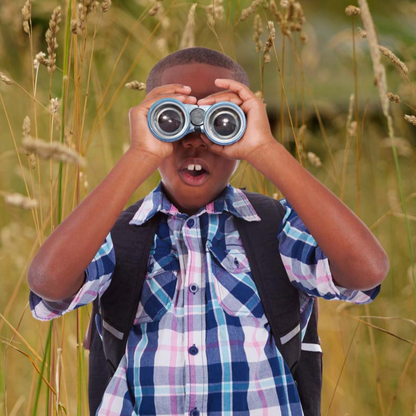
[(120, 301), (308, 374), (279, 297)]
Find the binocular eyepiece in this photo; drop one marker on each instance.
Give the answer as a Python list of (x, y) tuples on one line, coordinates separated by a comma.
[(169, 120)]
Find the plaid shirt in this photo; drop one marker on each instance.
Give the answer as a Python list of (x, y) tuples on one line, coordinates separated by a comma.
[(200, 343)]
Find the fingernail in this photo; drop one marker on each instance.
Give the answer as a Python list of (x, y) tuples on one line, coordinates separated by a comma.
[(186, 86)]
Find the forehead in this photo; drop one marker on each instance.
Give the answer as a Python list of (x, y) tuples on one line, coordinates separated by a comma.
[(200, 77)]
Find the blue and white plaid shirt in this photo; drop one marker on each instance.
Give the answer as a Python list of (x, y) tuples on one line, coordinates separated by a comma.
[(201, 344)]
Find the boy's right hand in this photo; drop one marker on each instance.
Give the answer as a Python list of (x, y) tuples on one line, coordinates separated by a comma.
[(142, 139)]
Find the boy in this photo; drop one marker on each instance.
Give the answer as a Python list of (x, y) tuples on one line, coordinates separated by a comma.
[(204, 351)]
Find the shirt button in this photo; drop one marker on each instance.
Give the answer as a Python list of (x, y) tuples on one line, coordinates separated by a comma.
[(194, 412), (191, 223), (193, 351), (193, 288)]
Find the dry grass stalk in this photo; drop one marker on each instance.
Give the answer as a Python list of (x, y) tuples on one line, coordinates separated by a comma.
[(379, 70), (269, 42), (393, 97), (314, 160), (393, 58), (55, 151), (258, 30), (304, 37), (350, 109), (27, 15), (245, 13), (20, 201), (136, 85), (105, 6), (51, 38), (410, 119), (188, 37), (352, 11), (4, 78), (284, 4)]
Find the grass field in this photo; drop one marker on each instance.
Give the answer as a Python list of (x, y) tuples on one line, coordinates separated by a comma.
[(332, 114)]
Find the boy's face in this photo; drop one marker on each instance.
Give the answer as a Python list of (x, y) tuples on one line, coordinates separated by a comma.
[(189, 193)]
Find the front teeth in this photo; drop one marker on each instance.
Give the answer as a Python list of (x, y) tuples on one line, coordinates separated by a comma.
[(196, 167)]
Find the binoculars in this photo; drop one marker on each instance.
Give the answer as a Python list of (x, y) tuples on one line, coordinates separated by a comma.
[(169, 120)]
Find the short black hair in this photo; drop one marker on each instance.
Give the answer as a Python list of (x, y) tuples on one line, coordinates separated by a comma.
[(195, 55)]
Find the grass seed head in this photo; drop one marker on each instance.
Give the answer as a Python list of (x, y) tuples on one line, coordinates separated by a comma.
[(27, 15), (155, 7), (4, 78), (105, 6), (314, 160), (378, 68), (393, 58), (269, 42), (51, 38), (393, 97), (304, 37), (188, 37), (352, 11), (284, 4), (136, 85), (245, 13), (53, 106), (278, 16), (20, 201), (55, 151), (362, 33), (410, 119), (258, 30), (40, 59)]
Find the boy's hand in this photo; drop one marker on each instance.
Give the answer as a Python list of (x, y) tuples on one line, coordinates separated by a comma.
[(142, 139), (257, 132)]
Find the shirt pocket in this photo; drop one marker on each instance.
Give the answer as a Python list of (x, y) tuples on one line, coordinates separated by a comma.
[(159, 288), (234, 287)]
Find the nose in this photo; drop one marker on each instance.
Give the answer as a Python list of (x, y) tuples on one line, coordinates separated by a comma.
[(193, 141)]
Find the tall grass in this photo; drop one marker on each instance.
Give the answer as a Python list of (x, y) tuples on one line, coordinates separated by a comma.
[(368, 350)]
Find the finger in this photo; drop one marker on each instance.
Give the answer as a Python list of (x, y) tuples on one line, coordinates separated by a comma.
[(242, 90), (222, 96), (145, 105), (170, 89)]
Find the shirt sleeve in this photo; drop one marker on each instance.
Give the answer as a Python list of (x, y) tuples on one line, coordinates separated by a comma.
[(97, 279), (307, 265)]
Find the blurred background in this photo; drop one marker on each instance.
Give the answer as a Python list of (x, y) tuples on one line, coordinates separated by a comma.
[(321, 56)]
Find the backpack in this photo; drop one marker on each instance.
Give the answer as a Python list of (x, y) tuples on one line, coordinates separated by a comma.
[(132, 244)]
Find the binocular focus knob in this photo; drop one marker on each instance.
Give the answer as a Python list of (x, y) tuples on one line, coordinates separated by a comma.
[(197, 116)]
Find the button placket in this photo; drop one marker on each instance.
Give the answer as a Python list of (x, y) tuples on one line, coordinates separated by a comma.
[(194, 317)]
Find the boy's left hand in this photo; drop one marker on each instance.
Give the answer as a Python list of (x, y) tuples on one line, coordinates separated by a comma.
[(257, 132)]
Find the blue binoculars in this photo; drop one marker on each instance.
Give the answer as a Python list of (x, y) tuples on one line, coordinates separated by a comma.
[(169, 120)]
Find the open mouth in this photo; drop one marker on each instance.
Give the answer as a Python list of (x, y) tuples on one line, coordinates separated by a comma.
[(194, 174)]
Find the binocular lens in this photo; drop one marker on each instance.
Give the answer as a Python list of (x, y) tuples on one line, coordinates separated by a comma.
[(170, 120), (225, 124)]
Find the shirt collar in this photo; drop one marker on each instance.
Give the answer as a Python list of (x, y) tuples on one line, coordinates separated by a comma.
[(231, 200)]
